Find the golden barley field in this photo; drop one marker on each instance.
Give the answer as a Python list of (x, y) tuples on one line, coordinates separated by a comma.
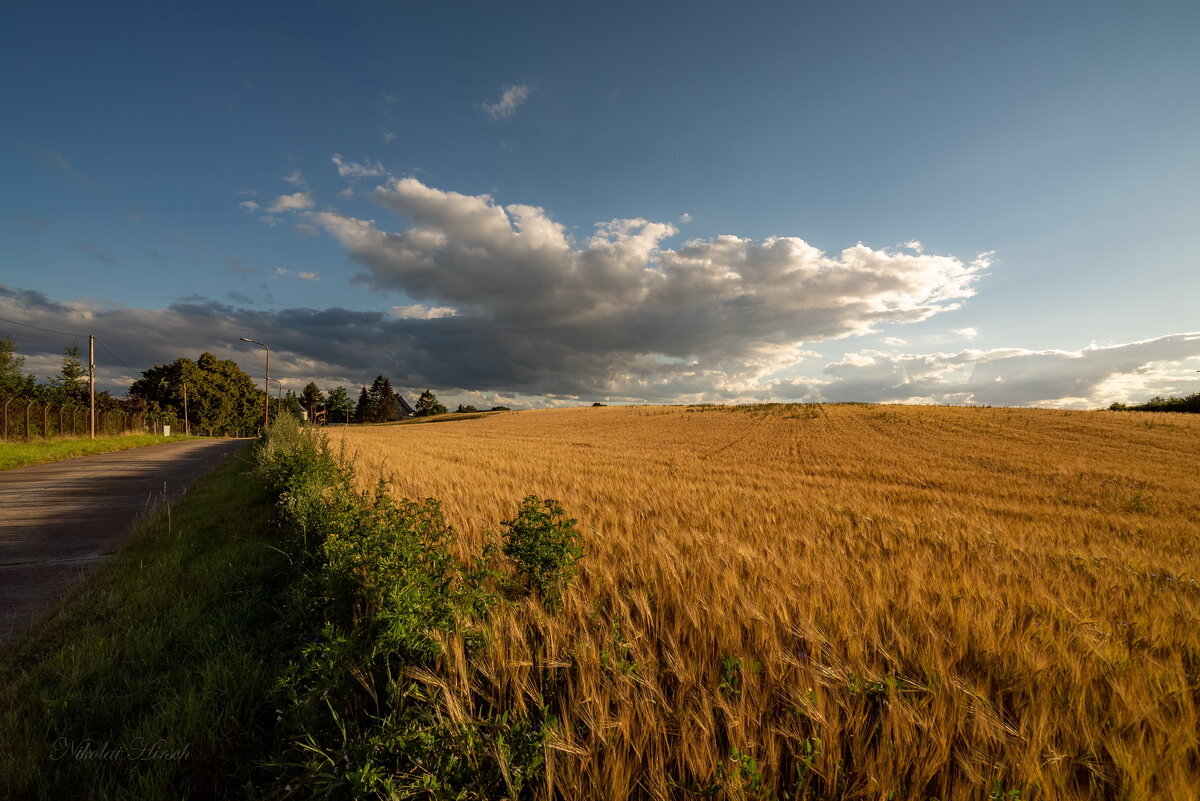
[(843, 601)]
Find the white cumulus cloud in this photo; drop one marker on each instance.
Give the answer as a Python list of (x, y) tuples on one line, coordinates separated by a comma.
[(604, 313), (350, 169), (418, 312), (297, 201), (509, 102)]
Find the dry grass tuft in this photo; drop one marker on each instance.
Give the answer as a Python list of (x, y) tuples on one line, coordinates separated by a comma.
[(846, 601)]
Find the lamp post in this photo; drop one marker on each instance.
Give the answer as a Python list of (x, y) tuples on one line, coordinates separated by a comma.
[(278, 388), (266, 384)]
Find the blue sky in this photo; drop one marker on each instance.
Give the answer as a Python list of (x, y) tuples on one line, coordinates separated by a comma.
[(143, 147)]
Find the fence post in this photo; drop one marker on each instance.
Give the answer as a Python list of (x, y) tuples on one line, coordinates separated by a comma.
[(6, 402), (28, 421)]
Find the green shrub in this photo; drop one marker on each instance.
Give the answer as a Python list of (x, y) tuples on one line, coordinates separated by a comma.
[(544, 545), (380, 587)]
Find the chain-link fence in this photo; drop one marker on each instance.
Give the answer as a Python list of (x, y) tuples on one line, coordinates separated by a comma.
[(24, 420)]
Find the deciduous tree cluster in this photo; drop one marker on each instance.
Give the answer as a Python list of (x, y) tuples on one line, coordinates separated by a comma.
[(220, 395)]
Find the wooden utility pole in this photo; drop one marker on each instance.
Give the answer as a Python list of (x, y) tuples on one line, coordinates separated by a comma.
[(92, 383)]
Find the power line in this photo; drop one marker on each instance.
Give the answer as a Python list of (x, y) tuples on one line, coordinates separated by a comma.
[(67, 334), (115, 356), (47, 330)]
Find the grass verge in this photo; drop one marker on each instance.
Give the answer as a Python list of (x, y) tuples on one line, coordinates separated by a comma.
[(23, 454), (278, 634), (153, 679)]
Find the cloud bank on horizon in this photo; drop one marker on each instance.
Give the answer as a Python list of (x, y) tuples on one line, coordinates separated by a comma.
[(503, 300)]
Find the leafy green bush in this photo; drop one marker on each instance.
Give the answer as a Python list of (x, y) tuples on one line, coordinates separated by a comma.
[(544, 545), (379, 587)]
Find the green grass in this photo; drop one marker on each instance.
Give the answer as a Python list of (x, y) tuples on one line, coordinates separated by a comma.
[(258, 642), (23, 454), (160, 666), (380, 588)]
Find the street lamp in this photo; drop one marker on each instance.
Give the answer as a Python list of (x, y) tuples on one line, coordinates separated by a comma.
[(278, 388), (266, 384)]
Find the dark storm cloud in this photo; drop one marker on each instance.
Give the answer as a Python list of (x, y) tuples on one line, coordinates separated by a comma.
[(337, 345)]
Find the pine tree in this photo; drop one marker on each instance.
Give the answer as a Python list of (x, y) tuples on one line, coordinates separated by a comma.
[(68, 385), (428, 405), (310, 399), (362, 413), (72, 371), (387, 402)]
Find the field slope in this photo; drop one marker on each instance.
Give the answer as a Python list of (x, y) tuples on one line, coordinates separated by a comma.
[(838, 602)]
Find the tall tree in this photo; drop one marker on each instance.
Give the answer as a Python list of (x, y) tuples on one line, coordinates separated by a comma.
[(311, 398), (291, 404), (12, 382), (428, 405), (385, 400), (68, 385), (362, 413), (337, 401), (381, 404)]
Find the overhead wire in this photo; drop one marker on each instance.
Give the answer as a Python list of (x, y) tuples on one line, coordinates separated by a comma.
[(73, 334), (115, 356), (47, 330)]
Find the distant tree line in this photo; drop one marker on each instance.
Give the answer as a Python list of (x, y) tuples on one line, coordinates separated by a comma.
[(211, 395), (1159, 404)]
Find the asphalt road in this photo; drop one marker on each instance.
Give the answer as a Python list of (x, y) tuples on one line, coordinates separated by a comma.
[(59, 520)]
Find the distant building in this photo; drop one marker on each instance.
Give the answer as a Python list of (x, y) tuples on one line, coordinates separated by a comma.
[(403, 410)]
